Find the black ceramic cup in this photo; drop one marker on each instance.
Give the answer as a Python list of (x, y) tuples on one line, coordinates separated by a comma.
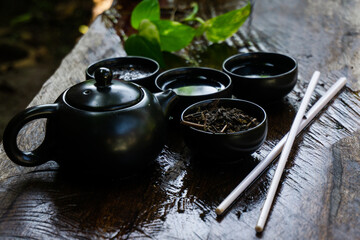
[(136, 69), (261, 76), (226, 146), (193, 84)]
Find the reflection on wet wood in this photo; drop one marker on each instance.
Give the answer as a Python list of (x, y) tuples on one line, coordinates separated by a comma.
[(177, 196)]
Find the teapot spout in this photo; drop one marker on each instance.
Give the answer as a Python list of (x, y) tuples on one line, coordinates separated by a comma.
[(166, 100)]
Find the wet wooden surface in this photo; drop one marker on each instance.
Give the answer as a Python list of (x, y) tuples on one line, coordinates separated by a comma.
[(176, 198)]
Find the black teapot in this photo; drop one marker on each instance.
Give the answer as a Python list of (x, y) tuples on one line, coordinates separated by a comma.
[(96, 125)]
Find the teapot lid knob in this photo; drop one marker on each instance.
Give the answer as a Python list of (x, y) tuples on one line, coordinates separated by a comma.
[(103, 77)]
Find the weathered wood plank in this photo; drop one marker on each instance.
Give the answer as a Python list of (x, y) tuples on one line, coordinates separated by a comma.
[(341, 203), (176, 198)]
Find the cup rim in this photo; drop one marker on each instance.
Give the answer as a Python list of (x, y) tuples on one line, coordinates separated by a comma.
[(89, 72), (199, 69), (237, 56)]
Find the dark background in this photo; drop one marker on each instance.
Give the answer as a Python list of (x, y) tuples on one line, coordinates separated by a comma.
[(35, 36)]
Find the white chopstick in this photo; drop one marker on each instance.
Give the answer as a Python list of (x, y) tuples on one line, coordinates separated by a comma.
[(285, 153), (260, 168)]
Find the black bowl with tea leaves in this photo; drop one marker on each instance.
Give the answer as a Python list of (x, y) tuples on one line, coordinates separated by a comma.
[(136, 69), (261, 76), (224, 127)]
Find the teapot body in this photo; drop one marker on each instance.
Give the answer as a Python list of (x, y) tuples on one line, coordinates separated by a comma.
[(104, 141), (124, 139), (98, 125)]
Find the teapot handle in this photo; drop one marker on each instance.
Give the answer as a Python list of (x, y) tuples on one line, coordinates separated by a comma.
[(30, 158)]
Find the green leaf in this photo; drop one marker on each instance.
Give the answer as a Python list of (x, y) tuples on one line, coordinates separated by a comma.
[(174, 35), (147, 9), (223, 26), (137, 45), (149, 31)]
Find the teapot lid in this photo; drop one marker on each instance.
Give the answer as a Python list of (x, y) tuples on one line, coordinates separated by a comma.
[(103, 94)]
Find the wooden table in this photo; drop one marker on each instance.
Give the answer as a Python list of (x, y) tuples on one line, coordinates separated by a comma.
[(319, 194)]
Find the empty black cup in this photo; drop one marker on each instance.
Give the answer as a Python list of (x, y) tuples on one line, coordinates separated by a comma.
[(261, 76)]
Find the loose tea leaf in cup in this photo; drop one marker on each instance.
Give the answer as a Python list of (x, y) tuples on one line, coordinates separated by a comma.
[(129, 72), (220, 119)]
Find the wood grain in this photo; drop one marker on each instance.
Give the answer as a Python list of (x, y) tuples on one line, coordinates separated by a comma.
[(342, 194), (177, 196)]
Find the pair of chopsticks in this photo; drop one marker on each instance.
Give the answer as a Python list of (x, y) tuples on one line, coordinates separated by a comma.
[(285, 144)]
